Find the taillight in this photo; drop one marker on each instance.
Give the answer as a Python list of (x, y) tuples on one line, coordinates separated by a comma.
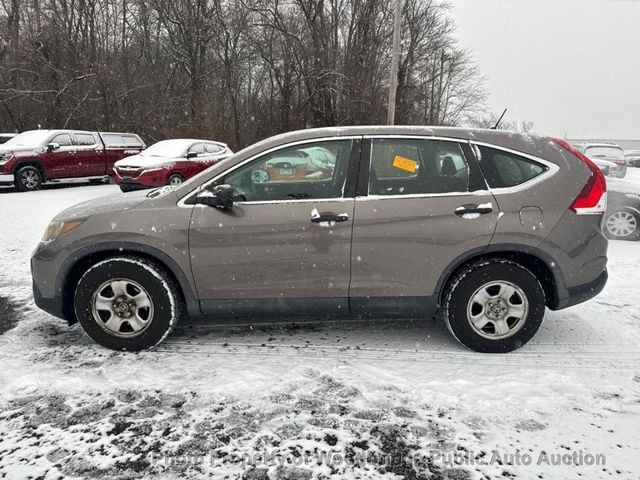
[(592, 200)]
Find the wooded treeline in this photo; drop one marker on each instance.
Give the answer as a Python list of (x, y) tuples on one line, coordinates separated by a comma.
[(235, 71)]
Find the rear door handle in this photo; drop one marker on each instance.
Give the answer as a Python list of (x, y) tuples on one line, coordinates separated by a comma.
[(474, 208), (322, 217)]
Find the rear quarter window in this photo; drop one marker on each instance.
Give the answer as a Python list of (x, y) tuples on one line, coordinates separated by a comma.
[(119, 140), (504, 169), (212, 148)]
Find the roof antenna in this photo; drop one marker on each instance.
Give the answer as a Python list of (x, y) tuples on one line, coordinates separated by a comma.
[(495, 127)]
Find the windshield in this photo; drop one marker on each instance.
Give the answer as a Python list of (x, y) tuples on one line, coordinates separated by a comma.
[(604, 152), (32, 138), (167, 148)]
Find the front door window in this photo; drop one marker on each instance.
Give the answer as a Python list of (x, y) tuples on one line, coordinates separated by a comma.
[(307, 171)]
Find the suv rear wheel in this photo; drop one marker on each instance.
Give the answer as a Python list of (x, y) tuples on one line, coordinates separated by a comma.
[(28, 178), (494, 306), (126, 304)]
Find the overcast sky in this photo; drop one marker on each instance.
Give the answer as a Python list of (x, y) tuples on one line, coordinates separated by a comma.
[(570, 66)]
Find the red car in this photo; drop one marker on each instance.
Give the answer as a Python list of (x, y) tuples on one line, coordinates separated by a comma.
[(169, 162), (37, 156)]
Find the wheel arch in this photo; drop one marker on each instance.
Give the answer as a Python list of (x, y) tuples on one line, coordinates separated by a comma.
[(176, 172), (73, 269), (30, 162), (533, 259), (632, 209)]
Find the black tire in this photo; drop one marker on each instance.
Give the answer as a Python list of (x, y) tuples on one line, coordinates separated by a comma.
[(471, 280), (164, 311), (28, 178), (175, 179), (126, 188), (618, 231)]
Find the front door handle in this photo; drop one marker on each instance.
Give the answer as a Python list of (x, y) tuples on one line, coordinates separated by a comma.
[(322, 217), (483, 209)]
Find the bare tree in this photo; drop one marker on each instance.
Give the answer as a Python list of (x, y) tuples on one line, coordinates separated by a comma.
[(237, 71)]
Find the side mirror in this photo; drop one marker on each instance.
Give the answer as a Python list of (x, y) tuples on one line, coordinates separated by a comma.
[(222, 197), (192, 154), (52, 146)]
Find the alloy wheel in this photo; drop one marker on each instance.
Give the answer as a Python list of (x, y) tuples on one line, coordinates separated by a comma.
[(621, 224), (122, 307), (30, 179), (497, 310)]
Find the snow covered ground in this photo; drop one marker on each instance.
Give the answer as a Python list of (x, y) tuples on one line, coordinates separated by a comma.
[(374, 399)]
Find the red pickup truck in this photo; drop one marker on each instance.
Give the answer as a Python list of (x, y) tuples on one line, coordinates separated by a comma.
[(36, 156)]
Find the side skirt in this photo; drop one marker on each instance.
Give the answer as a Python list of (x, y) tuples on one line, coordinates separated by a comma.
[(406, 307)]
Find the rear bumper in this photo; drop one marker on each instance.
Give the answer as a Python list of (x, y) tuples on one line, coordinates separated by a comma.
[(7, 179), (582, 293)]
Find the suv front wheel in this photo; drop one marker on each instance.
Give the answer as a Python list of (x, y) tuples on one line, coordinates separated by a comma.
[(494, 306), (127, 303)]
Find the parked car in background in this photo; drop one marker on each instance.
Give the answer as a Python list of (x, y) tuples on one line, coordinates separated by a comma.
[(5, 137), (606, 152), (610, 169), (632, 158), (484, 228), (168, 162), (622, 220), (33, 157)]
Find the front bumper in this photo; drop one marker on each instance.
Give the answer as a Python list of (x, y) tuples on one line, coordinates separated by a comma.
[(53, 306), (45, 265), (7, 179), (146, 179)]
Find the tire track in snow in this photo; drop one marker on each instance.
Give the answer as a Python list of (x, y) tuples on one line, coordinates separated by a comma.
[(614, 360)]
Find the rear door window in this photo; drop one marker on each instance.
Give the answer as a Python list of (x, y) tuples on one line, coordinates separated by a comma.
[(417, 166), (84, 139), (504, 169)]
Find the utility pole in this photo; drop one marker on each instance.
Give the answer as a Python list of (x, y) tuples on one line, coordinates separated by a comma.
[(395, 63)]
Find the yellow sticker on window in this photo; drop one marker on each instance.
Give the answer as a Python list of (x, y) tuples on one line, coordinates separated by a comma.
[(406, 164)]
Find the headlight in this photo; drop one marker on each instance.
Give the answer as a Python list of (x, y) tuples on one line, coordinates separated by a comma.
[(57, 228), (4, 158)]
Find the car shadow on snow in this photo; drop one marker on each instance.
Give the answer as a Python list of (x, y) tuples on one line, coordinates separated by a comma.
[(9, 314), (55, 186), (326, 335)]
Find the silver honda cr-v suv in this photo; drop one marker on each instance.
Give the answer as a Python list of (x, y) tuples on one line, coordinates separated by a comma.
[(481, 227)]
